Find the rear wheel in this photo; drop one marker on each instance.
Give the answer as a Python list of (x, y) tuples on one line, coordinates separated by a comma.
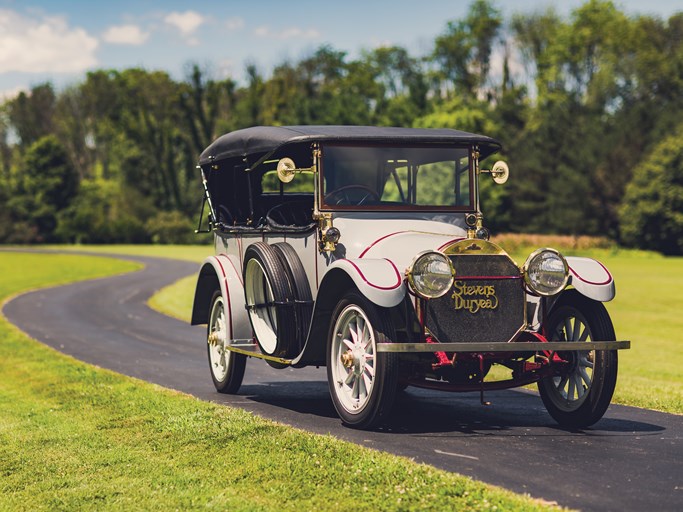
[(227, 368), (362, 381), (579, 393)]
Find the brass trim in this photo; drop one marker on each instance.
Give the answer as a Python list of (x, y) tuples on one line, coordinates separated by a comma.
[(477, 247), (503, 346), (248, 348), (525, 270), (411, 279), (325, 223)]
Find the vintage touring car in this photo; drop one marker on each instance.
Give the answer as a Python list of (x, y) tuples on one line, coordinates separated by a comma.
[(363, 249)]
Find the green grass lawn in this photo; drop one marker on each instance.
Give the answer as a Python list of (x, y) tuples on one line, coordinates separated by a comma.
[(179, 252), (75, 437), (648, 311)]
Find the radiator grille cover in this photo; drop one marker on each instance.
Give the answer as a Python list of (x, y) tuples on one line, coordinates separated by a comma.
[(486, 302)]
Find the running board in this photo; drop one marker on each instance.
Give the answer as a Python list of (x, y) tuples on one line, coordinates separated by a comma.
[(496, 346), (251, 349)]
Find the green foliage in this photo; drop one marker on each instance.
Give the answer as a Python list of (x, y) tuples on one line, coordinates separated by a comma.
[(31, 114), (171, 228), (652, 212), (49, 176), (102, 213), (463, 51), (45, 186), (460, 114), (579, 102)]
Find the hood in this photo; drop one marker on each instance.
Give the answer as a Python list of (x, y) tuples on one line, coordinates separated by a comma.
[(398, 241)]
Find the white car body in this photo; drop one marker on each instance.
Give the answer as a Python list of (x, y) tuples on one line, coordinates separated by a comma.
[(293, 268)]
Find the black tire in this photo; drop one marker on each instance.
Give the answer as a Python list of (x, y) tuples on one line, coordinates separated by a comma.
[(227, 368), (578, 395), (302, 291), (362, 381), (270, 302)]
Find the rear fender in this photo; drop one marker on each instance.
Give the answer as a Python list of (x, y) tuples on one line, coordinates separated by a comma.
[(220, 273), (591, 278)]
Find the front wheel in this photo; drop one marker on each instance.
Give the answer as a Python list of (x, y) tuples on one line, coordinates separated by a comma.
[(362, 381), (579, 393), (227, 368)]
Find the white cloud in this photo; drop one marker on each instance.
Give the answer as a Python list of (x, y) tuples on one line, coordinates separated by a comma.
[(234, 24), (286, 33), (44, 44), (186, 22), (125, 34), (10, 94)]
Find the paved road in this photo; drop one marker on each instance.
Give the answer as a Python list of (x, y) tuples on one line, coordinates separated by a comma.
[(631, 460)]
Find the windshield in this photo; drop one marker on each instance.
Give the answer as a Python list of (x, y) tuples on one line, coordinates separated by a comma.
[(397, 178)]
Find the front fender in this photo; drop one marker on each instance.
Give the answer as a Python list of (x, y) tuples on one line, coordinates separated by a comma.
[(220, 273), (591, 278), (378, 279)]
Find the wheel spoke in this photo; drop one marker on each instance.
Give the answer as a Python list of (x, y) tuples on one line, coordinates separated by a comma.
[(358, 326), (578, 385), (576, 333), (362, 387), (367, 382), (355, 392), (370, 366), (560, 385), (353, 330), (567, 328), (366, 342), (571, 389), (585, 334), (349, 379), (348, 343)]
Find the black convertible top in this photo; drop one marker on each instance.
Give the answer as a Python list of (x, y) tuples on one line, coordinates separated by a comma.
[(261, 142)]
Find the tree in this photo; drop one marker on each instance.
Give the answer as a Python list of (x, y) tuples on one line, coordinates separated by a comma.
[(249, 105), (403, 93), (651, 213), (50, 184), (31, 114), (463, 51), (205, 103)]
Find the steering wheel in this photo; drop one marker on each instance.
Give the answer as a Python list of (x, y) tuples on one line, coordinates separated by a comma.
[(344, 195)]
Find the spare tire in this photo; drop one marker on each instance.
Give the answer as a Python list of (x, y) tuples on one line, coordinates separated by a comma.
[(303, 298), (269, 298)]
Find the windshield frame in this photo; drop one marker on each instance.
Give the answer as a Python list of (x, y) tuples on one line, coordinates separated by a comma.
[(471, 171)]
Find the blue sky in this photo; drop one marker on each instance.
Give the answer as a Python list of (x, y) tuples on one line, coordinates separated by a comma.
[(59, 41)]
